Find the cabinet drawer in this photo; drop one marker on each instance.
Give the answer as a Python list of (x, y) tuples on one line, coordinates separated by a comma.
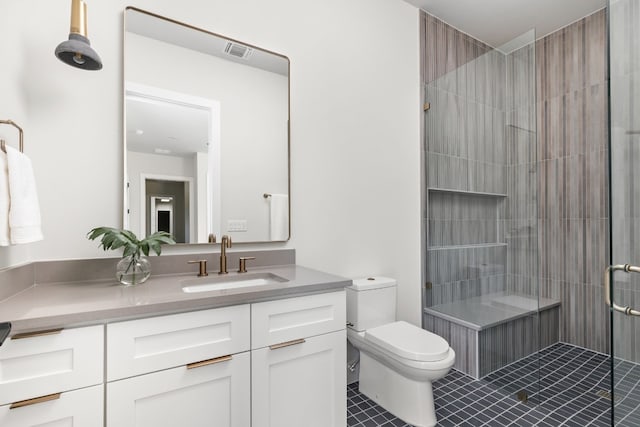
[(211, 395), (82, 407), (140, 346), (47, 364), (284, 320)]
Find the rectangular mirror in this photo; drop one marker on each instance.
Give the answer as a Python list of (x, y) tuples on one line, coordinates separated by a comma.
[(206, 146)]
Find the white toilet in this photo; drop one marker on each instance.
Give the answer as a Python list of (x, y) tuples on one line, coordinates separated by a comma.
[(398, 361)]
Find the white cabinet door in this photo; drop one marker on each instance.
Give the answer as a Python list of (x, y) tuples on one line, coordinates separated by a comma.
[(302, 384), (79, 408), (211, 395), (44, 364)]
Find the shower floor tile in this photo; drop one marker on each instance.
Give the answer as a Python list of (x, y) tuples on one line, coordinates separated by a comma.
[(565, 386)]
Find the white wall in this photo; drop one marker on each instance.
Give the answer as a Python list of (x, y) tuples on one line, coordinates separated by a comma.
[(355, 108)]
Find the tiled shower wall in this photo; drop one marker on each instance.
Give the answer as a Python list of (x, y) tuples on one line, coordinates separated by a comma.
[(465, 164), (572, 172), (625, 174), (554, 218)]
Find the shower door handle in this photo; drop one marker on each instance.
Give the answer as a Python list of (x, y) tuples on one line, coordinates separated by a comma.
[(627, 268)]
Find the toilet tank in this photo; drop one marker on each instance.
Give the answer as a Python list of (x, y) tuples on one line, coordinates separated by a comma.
[(371, 302)]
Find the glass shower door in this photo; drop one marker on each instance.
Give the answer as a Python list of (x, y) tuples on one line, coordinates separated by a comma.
[(480, 191), (622, 278)]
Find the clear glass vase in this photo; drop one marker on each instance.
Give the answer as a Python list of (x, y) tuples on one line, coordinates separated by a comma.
[(133, 271)]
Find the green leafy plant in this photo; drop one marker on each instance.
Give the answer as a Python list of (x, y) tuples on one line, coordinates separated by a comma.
[(114, 238)]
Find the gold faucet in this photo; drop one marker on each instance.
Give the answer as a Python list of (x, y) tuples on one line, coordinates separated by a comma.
[(224, 244)]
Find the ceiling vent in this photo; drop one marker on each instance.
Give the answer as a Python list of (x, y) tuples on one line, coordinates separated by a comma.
[(237, 50)]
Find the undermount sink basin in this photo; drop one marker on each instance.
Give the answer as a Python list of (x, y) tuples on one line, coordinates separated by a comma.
[(207, 284)]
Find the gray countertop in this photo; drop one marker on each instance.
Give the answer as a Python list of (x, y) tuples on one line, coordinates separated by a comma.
[(55, 305)]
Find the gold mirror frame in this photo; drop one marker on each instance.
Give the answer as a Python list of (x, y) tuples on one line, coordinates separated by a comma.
[(288, 116)]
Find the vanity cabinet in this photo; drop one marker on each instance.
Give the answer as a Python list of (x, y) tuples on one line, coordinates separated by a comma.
[(53, 378), (189, 368), (298, 357), (276, 363)]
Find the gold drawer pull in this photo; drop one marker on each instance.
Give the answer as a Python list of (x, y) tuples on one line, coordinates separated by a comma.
[(36, 334), (287, 344), (34, 401), (209, 362)]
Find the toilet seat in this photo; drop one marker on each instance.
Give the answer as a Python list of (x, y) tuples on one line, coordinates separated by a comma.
[(407, 341)]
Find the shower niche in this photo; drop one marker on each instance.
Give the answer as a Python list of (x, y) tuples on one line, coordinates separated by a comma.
[(466, 247)]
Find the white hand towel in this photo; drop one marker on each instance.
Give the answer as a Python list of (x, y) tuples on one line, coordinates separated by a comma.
[(279, 217), (24, 212), (4, 201)]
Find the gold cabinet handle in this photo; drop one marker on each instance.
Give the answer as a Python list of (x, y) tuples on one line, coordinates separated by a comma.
[(35, 401), (36, 334), (209, 362), (287, 344), (627, 268)]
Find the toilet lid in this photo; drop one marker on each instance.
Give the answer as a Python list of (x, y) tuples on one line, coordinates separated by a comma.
[(408, 341)]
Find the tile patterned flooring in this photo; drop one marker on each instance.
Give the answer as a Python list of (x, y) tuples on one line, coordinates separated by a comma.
[(565, 387)]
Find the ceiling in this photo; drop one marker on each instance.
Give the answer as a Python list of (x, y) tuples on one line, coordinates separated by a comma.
[(162, 127), (202, 41), (496, 22)]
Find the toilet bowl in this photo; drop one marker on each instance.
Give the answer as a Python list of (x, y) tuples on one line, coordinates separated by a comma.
[(398, 361)]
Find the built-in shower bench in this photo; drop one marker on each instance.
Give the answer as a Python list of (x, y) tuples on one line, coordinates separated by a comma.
[(490, 331)]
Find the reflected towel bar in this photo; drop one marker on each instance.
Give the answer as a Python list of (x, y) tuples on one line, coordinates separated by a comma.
[(15, 125)]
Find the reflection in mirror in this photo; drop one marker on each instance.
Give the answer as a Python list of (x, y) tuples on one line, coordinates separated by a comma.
[(207, 134), (173, 152)]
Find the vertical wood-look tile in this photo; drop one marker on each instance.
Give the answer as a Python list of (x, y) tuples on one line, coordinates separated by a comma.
[(572, 184)]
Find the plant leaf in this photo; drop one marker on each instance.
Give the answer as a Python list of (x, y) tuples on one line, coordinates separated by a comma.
[(144, 246), (130, 250), (130, 236), (113, 238), (96, 232), (155, 245)]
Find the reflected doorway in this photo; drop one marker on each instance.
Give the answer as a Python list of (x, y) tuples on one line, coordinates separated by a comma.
[(167, 203)]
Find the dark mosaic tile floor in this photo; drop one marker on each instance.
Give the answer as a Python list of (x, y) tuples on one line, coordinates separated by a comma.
[(627, 394), (565, 386)]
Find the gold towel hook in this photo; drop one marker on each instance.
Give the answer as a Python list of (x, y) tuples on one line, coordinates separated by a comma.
[(15, 125)]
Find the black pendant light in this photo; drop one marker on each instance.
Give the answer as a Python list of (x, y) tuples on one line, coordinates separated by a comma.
[(77, 51)]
